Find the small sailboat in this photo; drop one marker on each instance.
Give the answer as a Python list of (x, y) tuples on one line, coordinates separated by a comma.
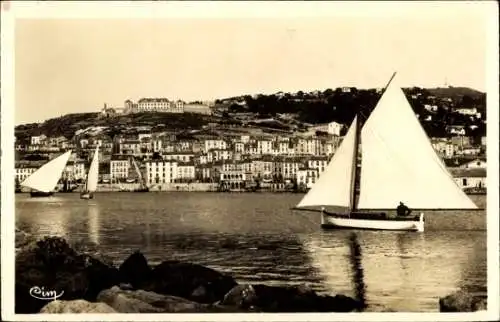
[(43, 181), (92, 177), (398, 165)]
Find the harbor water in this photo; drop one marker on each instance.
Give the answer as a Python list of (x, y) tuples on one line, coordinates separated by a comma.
[(256, 238)]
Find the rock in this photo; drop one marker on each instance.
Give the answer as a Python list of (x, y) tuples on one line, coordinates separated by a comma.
[(54, 266), (287, 299), (461, 301), (125, 286), (481, 305), (23, 239), (135, 270), (242, 296), (76, 306), (139, 301), (190, 281)]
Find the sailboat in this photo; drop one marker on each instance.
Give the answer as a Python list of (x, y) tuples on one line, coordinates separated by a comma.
[(43, 181), (92, 177), (398, 165)]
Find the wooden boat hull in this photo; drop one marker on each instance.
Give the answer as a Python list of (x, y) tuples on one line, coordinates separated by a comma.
[(332, 221), (87, 195), (40, 194)]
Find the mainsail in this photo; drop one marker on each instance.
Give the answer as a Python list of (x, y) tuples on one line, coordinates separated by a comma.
[(46, 177), (399, 164), (93, 175), (335, 185)]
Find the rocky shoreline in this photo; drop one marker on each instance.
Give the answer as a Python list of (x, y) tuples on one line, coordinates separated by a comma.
[(89, 284), (83, 283)]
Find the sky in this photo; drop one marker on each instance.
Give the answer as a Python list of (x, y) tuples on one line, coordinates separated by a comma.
[(76, 65)]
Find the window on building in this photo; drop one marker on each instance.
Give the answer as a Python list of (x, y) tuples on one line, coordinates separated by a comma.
[(464, 182)]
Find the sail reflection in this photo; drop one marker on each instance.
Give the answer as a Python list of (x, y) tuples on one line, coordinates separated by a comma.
[(94, 223), (329, 255), (407, 270)]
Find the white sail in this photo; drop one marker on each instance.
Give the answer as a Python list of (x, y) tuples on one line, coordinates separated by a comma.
[(93, 175), (46, 177), (335, 184), (399, 164)]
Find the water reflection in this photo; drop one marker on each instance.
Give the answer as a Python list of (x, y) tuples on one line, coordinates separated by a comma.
[(256, 238), (94, 223), (48, 216)]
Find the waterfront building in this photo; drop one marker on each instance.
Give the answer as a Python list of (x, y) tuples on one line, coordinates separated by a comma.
[(185, 172), (119, 166), (75, 170), (306, 177), (317, 162), (24, 171), (203, 172), (161, 171)]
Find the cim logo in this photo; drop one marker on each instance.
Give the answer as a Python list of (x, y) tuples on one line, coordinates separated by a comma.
[(42, 294)]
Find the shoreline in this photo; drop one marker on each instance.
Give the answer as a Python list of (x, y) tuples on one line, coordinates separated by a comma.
[(89, 283)]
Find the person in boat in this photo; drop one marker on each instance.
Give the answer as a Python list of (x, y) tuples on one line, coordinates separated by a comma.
[(402, 210)]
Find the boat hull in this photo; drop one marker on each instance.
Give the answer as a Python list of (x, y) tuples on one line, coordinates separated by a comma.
[(87, 195), (398, 224), (40, 194)]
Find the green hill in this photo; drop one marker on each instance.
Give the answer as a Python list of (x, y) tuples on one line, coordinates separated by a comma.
[(67, 125), (455, 93)]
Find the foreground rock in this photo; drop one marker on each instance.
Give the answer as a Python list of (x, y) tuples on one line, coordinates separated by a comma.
[(23, 240), (76, 306), (76, 280), (135, 270), (52, 265), (187, 280), (139, 301), (462, 302), (265, 298)]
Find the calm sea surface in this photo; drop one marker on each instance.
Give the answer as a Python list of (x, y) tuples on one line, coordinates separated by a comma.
[(257, 239)]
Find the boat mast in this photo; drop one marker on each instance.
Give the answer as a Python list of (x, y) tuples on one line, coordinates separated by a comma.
[(356, 174), (355, 170)]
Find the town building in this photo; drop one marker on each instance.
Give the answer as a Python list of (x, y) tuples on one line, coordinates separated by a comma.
[(161, 171), (478, 163), (470, 178), (185, 172), (22, 172), (119, 166)]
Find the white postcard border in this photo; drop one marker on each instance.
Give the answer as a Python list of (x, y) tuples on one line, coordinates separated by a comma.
[(184, 9)]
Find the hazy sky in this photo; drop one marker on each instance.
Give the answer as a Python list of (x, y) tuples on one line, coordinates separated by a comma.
[(67, 66)]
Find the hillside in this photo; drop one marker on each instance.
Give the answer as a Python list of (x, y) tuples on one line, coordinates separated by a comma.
[(279, 112), (69, 124), (455, 93)]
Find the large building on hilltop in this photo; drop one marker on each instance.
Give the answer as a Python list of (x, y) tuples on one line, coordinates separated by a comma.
[(155, 105)]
